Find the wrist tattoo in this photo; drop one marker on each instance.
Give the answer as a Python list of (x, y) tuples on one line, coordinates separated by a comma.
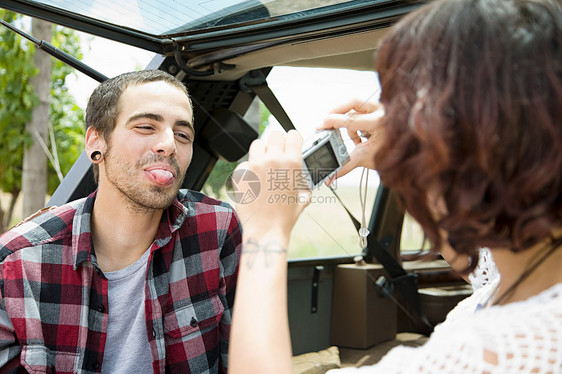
[(271, 251)]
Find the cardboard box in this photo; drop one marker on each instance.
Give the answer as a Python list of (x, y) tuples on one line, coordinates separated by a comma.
[(361, 317)]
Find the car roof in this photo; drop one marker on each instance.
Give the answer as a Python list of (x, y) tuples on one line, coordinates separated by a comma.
[(232, 37)]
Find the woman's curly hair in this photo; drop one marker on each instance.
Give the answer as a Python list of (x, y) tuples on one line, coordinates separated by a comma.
[(472, 91)]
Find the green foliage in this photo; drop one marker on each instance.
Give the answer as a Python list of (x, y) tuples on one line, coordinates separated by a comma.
[(66, 117), (16, 103), (216, 180), (17, 100), (264, 117)]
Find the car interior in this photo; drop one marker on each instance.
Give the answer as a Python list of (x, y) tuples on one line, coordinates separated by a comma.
[(240, 59)]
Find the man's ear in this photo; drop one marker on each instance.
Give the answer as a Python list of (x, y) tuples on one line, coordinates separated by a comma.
[(94, 141)]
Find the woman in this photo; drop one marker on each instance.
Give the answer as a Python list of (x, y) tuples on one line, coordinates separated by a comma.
[(468, 133)]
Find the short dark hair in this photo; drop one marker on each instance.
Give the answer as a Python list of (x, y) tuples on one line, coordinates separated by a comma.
[(472, 91), (103, 110)]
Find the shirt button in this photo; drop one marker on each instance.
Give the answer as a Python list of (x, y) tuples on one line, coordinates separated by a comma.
[(96, 365), (193, 322), (101, 308)]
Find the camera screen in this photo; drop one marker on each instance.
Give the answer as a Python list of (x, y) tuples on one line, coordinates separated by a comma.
[(321, 163)]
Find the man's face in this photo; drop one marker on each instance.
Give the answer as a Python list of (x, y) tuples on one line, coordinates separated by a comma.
[(150, 148)]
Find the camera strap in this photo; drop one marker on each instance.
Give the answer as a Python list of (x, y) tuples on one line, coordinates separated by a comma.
[(363, 231), (404, 281)]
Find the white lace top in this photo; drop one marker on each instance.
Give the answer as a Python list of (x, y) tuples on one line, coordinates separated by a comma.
[(486, 270), (523, 337)]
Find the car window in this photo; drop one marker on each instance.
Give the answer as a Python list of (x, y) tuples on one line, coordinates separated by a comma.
[(164, 18), (308, 94), (412, 240)]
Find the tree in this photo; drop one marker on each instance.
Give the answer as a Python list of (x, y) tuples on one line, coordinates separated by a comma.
[(17, 100), (16, 103), (66, 117), (34, 171)]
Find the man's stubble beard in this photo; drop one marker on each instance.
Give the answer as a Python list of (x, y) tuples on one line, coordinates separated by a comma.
[(141, 198)]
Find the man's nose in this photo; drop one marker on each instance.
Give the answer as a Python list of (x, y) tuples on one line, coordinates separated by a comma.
[(165, 145)]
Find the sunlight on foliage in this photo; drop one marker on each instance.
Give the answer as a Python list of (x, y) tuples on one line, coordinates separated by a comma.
[(17, 102)]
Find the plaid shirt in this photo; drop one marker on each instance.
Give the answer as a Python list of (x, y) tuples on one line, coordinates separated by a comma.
[(54, 305)]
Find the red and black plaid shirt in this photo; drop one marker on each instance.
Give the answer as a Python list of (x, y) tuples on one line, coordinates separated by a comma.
[(54, 305)]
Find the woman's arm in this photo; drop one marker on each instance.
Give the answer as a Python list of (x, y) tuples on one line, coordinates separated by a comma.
[(260, 341)]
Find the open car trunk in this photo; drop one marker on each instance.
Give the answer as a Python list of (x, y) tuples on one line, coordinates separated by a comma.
[(224, 51)]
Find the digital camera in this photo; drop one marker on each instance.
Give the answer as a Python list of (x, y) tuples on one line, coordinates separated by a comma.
[(324, 157)]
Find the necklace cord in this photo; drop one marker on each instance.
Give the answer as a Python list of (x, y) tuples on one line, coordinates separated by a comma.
[(554, 245)]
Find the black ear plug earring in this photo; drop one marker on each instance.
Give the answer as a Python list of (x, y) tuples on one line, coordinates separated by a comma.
[(95, 156)]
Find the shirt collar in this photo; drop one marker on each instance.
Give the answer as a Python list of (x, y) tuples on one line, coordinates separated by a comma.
[(172, 219)]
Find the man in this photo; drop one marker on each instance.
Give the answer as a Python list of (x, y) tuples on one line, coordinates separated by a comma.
[(137, 278)]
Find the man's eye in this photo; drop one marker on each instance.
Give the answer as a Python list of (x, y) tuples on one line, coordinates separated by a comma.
[(183, 136), (144, 127)]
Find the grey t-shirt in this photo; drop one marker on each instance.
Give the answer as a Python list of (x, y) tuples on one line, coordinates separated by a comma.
[(126, 348)]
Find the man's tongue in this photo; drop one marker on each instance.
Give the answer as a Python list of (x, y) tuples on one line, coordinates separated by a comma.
[(161, 176)]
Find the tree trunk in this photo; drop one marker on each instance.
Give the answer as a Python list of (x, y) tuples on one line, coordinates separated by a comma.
[(10, 213), (2, 223), (34, 175)]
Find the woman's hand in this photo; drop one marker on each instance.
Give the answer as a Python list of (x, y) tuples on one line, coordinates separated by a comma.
[(283, 194), (362, 121)]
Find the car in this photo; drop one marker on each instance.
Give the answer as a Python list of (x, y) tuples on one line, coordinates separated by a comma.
[(228, 52)]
